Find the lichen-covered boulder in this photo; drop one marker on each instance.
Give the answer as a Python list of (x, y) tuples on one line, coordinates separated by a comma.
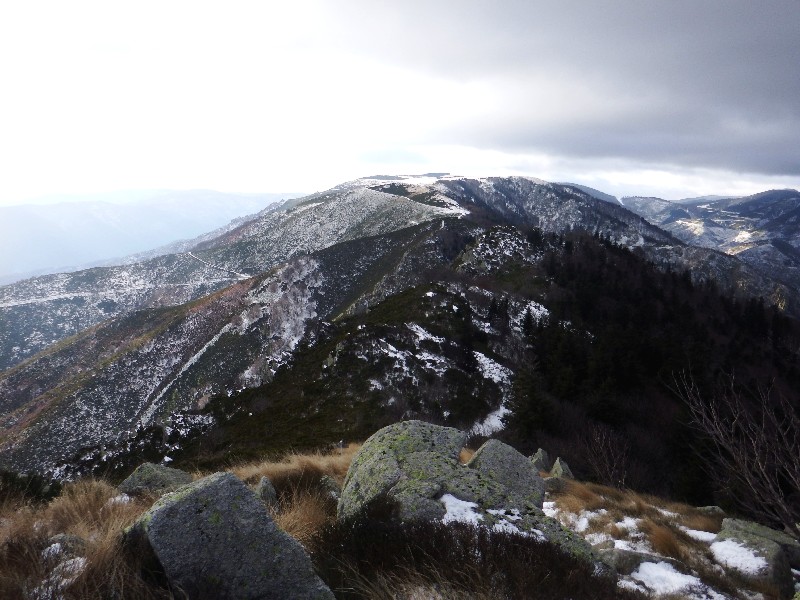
[(503, 464), (414, 466), (214, 538), (266, 492), (428, 454), (561, 469), (153, 480), (541, 460), (772, 553)]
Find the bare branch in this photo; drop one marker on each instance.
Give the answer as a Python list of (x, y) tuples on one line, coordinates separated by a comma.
[(756, 441)]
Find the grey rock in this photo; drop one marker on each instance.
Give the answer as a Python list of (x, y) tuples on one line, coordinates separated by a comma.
[(554, 485), (790, 546), (414, 465), (266, 492), (375, 469), (561, 469), (330, 487), (153, 480), (541, 460), (70, 545), (775, 547), (214, 538), (501, 463), (711, 510)]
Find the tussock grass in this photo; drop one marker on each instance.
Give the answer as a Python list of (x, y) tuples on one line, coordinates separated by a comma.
[(299, 470), (663, 539), (85, 509), (304, 515)]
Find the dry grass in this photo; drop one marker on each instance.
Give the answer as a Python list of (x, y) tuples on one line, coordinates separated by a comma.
[(413, 585), (86, 510), (299, 469), (663, 539), (304, 515), (465, 455), (694, 519)]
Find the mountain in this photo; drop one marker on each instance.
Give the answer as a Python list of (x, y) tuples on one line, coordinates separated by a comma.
[(510, 306), (41, 311), (69, 233), (762, 230)]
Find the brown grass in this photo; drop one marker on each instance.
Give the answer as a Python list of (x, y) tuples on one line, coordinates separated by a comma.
[(82, 510), (303, 515), (299, 469), (465, 455), (663, 539), (701, 521)]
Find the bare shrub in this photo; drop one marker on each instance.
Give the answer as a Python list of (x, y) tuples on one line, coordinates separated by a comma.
[(756, 440), (607, 455)]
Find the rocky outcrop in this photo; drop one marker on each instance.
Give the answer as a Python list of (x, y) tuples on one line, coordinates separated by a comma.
[(414, 467), (561, 469), (773, 553), (541, 460), (214, 538), (266, 492), (153, 480)]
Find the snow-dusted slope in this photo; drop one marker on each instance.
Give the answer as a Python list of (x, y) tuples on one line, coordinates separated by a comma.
[(39, 312), (762, 230)]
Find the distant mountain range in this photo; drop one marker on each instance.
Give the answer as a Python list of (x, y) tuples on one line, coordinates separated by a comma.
[(71, 233), (762, 230), (508, 306)]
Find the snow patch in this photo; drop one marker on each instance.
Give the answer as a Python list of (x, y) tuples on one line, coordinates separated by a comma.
[(459, 510), (734, 555), (701, 536), (663, 578)]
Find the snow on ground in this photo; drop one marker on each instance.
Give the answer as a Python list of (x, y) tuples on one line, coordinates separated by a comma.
[(496, 372), (663, 578), (423, 335), (701, 536), (493, 370), (736, 556), (492, 423), (459, 510)]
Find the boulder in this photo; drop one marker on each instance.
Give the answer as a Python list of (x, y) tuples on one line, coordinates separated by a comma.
[(501, 463), (153, 480), (554, 485), (266, 492), (64, 543), (541, 460), (774, 549), (414, 467), (712, 510), (214, 538), (561, 469), (330, 487)]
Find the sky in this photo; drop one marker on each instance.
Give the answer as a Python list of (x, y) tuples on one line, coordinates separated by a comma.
[(672, 99)]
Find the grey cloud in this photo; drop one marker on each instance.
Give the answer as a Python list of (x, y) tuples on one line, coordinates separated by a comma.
[(709, 84)]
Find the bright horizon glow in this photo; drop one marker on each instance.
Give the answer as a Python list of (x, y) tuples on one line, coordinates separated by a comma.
[(298, 97)]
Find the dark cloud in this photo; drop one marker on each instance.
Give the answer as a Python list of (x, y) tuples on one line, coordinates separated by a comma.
[(700, 84)]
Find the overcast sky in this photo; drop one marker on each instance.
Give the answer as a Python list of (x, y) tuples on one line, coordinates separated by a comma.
[(671, 98)]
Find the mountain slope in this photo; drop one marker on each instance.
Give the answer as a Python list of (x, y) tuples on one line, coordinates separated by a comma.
[(60, 236), (345, 310), (39, 312), (762, 230)]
